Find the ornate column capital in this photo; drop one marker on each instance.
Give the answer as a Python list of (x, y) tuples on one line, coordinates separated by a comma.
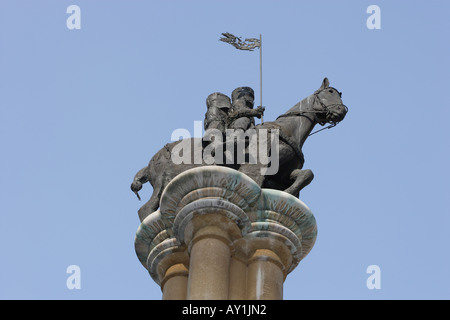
[(281, 216), (220, 203)]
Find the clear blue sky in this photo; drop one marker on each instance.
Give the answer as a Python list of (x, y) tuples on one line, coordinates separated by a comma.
[(81, 111)]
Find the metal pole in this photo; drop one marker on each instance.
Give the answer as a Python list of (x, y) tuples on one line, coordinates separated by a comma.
[(260, 73)]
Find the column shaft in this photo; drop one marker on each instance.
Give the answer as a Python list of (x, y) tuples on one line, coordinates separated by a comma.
[(174, 284), (209, 265), (238, 280), (265, 276)]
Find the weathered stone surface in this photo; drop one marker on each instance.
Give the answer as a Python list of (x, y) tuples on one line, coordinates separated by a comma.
[(259, 214)]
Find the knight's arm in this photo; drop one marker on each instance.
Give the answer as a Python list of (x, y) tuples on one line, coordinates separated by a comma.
[(247, 113)]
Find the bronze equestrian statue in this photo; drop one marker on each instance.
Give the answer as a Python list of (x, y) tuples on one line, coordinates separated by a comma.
[(324, 106)]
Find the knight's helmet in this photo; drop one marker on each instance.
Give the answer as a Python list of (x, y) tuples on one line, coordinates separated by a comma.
[(218, 100), (245, 95)]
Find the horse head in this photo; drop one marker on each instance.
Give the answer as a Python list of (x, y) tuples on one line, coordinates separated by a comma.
[(324, 106), (327, 105)]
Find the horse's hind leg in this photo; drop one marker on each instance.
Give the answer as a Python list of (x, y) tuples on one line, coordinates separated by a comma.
[(302, 179), (151, 205), (158, 187)]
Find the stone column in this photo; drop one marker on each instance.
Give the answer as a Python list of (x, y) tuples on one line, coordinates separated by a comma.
[(209, 227), (265, 276), (210, 262), (282, 234), (175, 283), (238, 278), (218, 235), (163, 256), (174, 276), (269, 258), (208, 206)]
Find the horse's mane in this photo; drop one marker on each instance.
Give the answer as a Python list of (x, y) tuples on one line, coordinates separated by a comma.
[(301, 105)]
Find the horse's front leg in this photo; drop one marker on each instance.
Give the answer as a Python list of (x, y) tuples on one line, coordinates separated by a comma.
[(301, 178)]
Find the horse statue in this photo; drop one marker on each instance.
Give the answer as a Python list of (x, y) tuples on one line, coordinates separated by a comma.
[(323, 107)]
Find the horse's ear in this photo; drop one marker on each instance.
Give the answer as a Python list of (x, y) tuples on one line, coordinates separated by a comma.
[(325, 84)]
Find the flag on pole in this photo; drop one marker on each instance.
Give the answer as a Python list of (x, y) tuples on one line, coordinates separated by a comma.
[(249, 44), (237, 42)]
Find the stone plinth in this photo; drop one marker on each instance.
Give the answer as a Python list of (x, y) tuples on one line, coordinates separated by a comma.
[(218, 235)]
